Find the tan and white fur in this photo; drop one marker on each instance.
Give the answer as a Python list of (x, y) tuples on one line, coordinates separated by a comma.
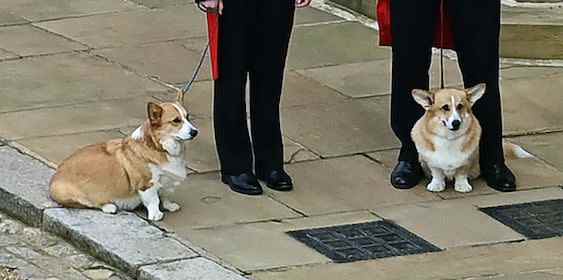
[(447, 137), (122, 174)]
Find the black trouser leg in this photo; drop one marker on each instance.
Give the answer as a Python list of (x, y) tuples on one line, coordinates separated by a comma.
[(229, 108), (413, 25), (275, 22), (476, 26)]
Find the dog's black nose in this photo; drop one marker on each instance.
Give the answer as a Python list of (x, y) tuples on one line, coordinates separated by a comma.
[(456, 124), (193, 133)]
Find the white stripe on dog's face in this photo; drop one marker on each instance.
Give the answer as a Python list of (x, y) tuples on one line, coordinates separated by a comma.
[(454, 121), (187, 131)]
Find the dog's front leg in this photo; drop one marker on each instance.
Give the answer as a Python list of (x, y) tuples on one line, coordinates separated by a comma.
[(438, 183), (151, 201), (462, 183)]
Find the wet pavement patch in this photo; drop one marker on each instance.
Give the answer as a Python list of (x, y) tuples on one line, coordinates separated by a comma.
[(535, 220), (356, 242)]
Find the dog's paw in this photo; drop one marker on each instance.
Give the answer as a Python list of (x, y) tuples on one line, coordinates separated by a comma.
[(109, 208), (170, 206), (463, 187), (156, 216), (436, 186)]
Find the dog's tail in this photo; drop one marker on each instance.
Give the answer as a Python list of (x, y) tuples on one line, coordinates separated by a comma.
[(514, 151)]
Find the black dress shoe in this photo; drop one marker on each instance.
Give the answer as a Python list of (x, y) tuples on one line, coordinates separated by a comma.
[(277, 180), (244, 183), (406, 175), (499, 177)]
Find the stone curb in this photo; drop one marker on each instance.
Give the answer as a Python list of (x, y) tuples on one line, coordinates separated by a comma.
[(24, 186), (125, 240)]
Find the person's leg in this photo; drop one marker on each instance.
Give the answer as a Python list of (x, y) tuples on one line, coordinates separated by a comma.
[(413, 24), (229, 108), (476, 25), (273, 31)]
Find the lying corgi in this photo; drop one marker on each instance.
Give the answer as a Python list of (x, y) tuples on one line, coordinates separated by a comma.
[(125, 173), (447, 137)]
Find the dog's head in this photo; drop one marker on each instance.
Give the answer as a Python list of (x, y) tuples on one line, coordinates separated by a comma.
[(449, 108), (170, 120), (167, 126)]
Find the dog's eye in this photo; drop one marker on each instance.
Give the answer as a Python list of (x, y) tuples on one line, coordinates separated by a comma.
[(460, 107), (446, 108), (177, 120)]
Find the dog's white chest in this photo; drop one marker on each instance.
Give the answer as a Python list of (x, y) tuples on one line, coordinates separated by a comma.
[(448, 155), (171, 173)]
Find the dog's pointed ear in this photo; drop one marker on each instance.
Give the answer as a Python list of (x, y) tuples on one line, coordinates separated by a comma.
[(423, 97), (154, 112), (180, 97), (476, 92)]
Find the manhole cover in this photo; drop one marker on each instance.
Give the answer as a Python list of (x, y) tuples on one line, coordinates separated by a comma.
[(535, 220), (349, 243)]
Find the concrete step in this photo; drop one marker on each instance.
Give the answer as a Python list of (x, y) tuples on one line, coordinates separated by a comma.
[(529, 31)]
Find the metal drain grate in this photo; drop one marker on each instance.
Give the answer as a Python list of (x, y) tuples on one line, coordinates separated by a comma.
[(349, 243), (535, 220)]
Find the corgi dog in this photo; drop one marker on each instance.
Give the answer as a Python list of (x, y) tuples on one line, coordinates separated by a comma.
[(122, 174), (447, 137)]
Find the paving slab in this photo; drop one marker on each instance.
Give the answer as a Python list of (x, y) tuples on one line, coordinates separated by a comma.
[(207, 202), (530, 174), (365, 79), (298, 91), (346, 128), (266, 245), (314, 16), (67, 79), (306, 53), (524, 111), (26, 40), (532, 41), (35, 10), (524, 196), (115, 238), (545, 146), (324, 186), (56, 148), (170, 62), (201, 154), (77, 118), (7, 55), (8, 18), (160, 4), (112, 30), (457, 263), (193, 269), (532, 16), (542, 275), (449, 224), (24, 186), (526, 72)]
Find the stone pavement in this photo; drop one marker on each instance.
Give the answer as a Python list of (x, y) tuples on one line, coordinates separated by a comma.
[(79, 72), (29, 253)]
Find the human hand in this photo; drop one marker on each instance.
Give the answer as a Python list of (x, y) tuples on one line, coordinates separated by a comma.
[(213, 4), (302, 3)]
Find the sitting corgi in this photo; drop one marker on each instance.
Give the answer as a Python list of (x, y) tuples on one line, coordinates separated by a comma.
[(125, 173), (447, 137)]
